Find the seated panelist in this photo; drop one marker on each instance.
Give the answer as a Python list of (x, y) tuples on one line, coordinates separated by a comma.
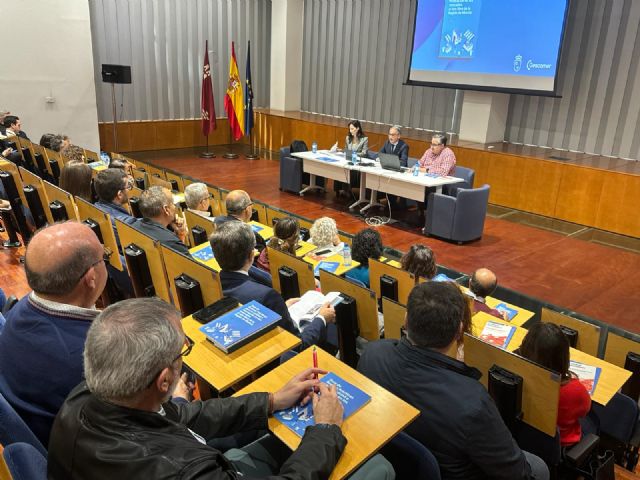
[(354, 141), (396, 146)]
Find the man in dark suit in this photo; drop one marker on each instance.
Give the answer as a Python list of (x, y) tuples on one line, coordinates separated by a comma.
[(233, 244), (159, 214), (13, 126), (396, 146)]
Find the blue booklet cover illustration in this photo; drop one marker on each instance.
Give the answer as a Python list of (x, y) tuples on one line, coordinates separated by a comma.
[(441, 277), (256, 228), (328, 266), (203, 255), (504, 308), (298, 418), (238, 327), (324, 158)]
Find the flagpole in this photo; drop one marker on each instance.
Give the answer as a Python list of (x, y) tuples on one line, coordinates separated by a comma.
[(252, 155), (230, 154), (207, 153)]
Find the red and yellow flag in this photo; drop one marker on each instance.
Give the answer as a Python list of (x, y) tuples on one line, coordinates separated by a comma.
[(233, 100)]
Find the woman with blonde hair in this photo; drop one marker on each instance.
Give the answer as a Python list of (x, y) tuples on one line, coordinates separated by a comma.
[(324, 234)]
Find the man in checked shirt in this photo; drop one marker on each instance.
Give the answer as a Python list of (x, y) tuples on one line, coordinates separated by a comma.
[(439, 159)]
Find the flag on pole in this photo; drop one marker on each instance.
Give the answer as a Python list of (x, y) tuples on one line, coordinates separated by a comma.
[(233, 102), (248, 95), (207, 105)]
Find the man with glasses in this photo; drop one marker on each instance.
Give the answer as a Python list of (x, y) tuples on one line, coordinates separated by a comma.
[(438, 159), (120, 424), (43, 339), (198, 200), (396, 146), (160, 221)]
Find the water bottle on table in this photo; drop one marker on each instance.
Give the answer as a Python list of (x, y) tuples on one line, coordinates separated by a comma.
[(354, 157), (346, 254), (314, 147), (416, 169)]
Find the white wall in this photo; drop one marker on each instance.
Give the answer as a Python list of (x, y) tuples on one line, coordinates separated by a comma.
[(51, 41)]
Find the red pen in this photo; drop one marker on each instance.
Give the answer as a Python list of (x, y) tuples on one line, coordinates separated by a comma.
[(315, 362)]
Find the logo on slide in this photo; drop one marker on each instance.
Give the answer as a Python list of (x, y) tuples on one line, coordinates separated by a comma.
[(538, 66), (517, 63)]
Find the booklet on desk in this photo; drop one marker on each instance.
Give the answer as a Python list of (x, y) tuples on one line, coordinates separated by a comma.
[(306, 309), (324, 265), (298, 418), (587, 374), (205, 254), (240, 326), (504, 308), (497, 334)]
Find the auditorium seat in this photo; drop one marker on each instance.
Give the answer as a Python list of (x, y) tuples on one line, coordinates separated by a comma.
[(410, 459), (468, 174), (25, 462), (458, 218), (291, 175), (14, 430)]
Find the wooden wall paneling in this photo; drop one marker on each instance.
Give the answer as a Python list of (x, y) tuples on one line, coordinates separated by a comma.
[(167, 135), (142, 137), (579, 195), (416, 147), (479, 161), (504, 176), (618, 208), (376, 141), (540, 184)]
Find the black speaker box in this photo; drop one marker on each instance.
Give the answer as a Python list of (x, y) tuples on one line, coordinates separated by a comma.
[(116, 73)]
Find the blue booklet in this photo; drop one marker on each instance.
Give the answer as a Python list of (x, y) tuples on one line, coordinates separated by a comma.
[(328, 266), (441, 277), (327, 159), (298, 418), (238, 327), (203, 255), (504, 308), (256, 228)]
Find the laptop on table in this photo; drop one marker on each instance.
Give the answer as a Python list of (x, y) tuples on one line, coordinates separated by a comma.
[(389, 161)]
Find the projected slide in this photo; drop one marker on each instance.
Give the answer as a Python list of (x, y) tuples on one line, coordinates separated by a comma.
[(510, 44)]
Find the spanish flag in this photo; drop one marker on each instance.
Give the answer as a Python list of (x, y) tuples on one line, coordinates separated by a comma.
[(233, 100)]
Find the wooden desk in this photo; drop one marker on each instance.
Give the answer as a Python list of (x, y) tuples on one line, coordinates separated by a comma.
[(35, 181), (366, 302), (479, 320), (265, 231), (406, 281), (367, 430), (394, 318), (212, 263), (277, 259), (541, 387), (336, 257), (193, 219), (588, 333), (222, 371), (304, 248), (88, 211), (56, 193), (522, 317), (618, 347), (612, 377), (12, 169)]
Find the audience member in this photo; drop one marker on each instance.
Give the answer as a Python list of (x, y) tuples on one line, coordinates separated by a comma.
[(421, 261), (233, 244), (439, 159), (73, 153), (112, 188), (366, 244), (198, 200), (3, 115), (239, 208), (159, 212), (546, 345), (45, 140), (13, 127), (396, 146), (324, 234), (60, 143), (42, 342), (482, 284), (119, 423), (458, 421), (75, 178), (286, 235)]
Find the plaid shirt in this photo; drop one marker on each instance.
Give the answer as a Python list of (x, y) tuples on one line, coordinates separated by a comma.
[(443, 164)]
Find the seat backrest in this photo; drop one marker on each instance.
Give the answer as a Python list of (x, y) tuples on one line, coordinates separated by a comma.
[(13, 429), (478, 196), (468, 174), (534, 441), (298, 146), (618, 419), (24, 461), (410, 458), (284, 152)]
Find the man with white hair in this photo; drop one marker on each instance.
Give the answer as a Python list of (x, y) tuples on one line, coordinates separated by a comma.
[(120, 424), (198, 200), (396, 146)]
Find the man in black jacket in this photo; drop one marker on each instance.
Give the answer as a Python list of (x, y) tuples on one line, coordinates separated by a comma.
[(396, 146), (458, 420), (120, 424)]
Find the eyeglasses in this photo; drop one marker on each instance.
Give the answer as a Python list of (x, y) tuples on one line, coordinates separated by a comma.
[(186, 350), (128, 185), (436, 144), (249, 205)]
